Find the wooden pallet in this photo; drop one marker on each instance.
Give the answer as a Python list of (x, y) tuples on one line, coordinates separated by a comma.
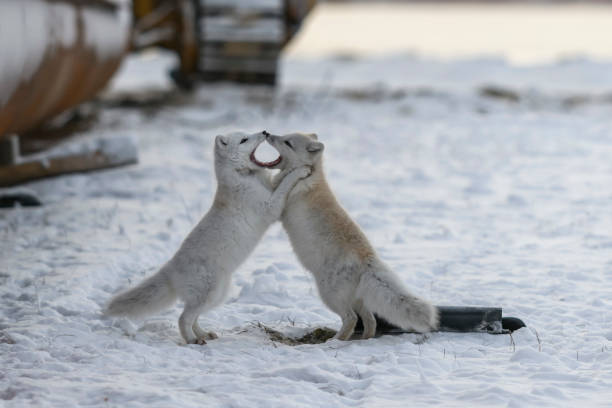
[(235, 40), (240, 40)]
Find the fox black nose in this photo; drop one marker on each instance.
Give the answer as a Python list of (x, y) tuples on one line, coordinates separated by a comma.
[(265, 133)]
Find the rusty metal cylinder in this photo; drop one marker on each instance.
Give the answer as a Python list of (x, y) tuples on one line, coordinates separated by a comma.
[(55, 54)]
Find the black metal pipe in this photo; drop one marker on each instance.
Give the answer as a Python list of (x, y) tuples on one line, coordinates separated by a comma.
[(460, 319)]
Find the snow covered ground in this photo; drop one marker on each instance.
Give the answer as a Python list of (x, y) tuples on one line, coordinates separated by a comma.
[(487, 197)]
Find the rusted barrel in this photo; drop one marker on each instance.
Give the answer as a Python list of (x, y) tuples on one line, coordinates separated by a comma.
[(55, 54)]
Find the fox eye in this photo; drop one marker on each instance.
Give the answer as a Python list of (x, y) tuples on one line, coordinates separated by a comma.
[(244, 140), (288, 144)]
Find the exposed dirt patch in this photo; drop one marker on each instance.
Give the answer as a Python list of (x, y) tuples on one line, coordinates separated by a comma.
[(6, 339), (316, 336), (496, 92)]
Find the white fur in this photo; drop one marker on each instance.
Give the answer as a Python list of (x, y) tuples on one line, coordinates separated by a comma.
[(199, 273), (351, 279)]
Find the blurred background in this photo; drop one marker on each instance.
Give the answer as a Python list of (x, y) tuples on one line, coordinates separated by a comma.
[(523, 32), (60, 60)]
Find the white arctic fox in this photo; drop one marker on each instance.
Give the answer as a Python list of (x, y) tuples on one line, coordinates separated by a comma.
[(245, 205), (351, 279)]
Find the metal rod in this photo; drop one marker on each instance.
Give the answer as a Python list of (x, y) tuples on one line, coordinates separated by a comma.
[(460, 319), (9, 150)]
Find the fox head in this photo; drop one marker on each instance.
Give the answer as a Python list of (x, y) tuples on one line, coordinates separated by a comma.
[(235, 151), (296, 150)]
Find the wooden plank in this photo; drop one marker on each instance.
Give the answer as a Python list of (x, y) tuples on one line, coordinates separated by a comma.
[(244, 77), (242, 5), (227, 11), (103, 156), (262, 65), (239, 49), (227, 28)]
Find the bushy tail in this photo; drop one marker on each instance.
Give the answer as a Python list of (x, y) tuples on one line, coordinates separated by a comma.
[(151, 295), (384, 295)]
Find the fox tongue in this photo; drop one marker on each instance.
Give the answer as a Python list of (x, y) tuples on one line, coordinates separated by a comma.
[(265, 164), (265, 155)]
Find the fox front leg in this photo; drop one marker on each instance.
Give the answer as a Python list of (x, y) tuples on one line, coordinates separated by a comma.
[(276, 203)]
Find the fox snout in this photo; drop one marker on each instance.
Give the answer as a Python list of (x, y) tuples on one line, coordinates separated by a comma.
[(270, 138)]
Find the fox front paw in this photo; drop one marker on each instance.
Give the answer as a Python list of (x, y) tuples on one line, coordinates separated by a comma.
[(210, 335), (304, 171)]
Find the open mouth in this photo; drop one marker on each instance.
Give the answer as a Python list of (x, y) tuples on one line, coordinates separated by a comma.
[(263, 156)]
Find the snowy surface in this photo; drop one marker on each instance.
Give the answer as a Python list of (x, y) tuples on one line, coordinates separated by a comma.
[(472, 200)]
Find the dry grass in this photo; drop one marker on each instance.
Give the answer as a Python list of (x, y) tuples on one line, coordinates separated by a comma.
[(316, 336)]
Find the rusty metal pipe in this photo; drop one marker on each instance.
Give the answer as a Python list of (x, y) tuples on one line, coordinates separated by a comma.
[(55, 54)]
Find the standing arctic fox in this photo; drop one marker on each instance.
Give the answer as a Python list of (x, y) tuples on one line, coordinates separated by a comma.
[(351, 279), (245, 205)]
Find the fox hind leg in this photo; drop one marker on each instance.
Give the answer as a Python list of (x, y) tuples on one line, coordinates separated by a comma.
[(368, 320), (188, 320), (349, 320)]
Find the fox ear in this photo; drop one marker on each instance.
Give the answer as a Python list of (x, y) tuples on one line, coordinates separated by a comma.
[(313, 136), (220, 140), (314, 147)]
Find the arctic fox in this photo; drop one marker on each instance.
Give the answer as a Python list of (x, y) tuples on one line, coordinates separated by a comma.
[(351, 279), (245, 205)]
